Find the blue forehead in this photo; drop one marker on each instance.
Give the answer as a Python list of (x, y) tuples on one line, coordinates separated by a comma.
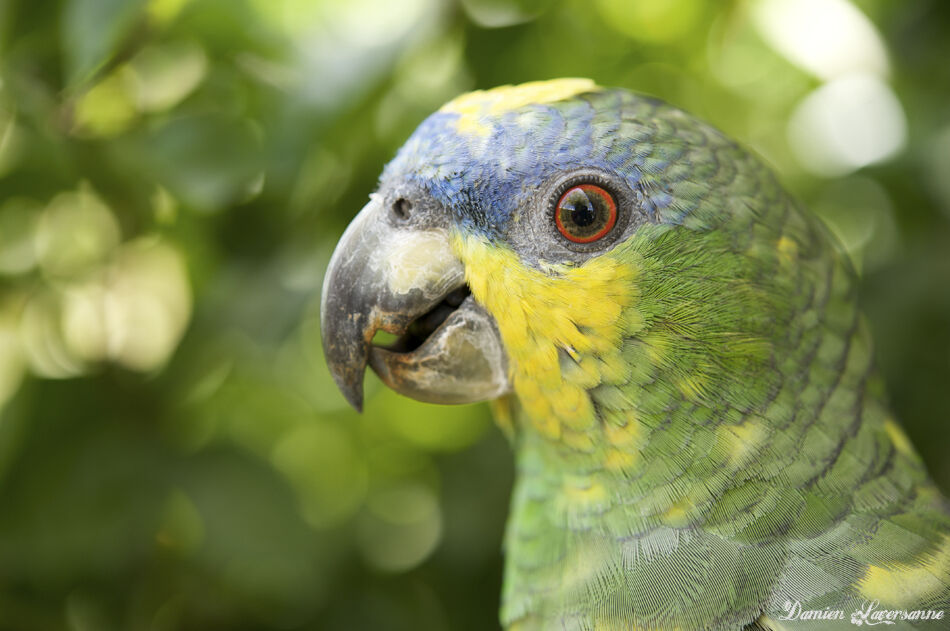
[(485, 172)]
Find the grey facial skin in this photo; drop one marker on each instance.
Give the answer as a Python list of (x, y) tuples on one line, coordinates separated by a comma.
[(394, 270)]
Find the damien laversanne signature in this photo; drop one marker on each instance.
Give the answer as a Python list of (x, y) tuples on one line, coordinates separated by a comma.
[(870, 614)]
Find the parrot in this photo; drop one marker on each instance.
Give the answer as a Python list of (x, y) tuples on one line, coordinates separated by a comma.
[(671, 344)]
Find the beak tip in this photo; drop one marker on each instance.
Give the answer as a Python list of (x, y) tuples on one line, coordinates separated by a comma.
[(347, 371), (353, 393), (354, 396)]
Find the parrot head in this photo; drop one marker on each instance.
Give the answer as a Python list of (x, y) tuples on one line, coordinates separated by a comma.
[(521, 235)]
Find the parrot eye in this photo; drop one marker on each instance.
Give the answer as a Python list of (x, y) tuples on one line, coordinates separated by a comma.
[(585, 213)]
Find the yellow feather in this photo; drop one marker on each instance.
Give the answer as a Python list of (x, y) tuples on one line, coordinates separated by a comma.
[(584, 372), (618, 460), (473, 108), (787, 250), (904, 585), (624, 436), (901, 443), (578, 309)]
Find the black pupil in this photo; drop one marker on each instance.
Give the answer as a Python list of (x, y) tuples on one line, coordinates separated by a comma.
[(583, 213)]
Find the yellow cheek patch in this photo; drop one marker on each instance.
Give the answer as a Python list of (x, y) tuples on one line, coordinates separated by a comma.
[(570, 314), (907, 585), (474, 107)]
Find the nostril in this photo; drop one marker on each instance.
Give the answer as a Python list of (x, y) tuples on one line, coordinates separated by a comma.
[(402, 208)]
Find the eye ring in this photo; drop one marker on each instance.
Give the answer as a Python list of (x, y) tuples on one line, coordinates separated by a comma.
[(542, 224), (585, 212)]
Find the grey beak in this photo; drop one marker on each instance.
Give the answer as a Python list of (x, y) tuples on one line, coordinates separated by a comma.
[(386, 276)]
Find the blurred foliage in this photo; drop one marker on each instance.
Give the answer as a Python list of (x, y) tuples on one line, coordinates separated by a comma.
[(173, 176)]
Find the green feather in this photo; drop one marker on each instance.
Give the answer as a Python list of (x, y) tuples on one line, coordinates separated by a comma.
[(766, 472)]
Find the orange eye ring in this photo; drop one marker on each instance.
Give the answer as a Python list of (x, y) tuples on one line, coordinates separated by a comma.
[(585, 213)]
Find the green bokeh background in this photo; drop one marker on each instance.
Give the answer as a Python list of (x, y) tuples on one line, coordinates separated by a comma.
[(173, 177)]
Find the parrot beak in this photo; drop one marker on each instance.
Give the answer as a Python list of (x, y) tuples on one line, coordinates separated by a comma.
[(405, 279)]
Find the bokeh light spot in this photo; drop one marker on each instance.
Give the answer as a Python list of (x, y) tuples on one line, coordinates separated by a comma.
[(134, 312), (375, 23), (182, 528), (322, 463), (18, 221), (166, 74), (411, 420), (938, 168), (860, 213), (164, 11), (656, 21), (11, 147), (41, 337), (847, 124), (12, 365), (402, 527), (76, 233), (148, 305), (501, 13), (108, 108), (828, 38)]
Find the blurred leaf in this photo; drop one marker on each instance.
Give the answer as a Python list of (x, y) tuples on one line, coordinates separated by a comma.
[(327, 470), (76, 232), (164, 11), (18, 220), (167, 74), (108, 107), (500, 13), (206, 161), (93, 30), (98, 507), (657, 21)]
